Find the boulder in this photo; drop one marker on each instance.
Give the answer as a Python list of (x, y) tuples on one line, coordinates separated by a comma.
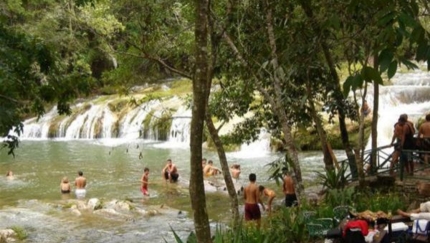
[(6, 233), (94, 204)]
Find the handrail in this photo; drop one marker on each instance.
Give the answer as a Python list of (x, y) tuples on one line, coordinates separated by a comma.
[(383, 161)]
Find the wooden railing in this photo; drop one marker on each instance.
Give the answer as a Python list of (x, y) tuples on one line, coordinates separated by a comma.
[(383, 160)]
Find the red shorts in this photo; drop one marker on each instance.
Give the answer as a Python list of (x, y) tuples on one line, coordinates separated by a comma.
[(252, 212), (144, 190)]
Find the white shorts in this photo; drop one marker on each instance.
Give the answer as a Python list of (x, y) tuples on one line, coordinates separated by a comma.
[(425, 207), (80, 193)]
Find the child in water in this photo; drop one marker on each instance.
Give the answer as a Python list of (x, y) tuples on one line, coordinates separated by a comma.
[(144, 180), (65, 185), (9, 175)]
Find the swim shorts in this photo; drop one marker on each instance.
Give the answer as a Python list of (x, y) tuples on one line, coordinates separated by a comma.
[(80, 193), (252, 211), (290, 200), (144, 190)]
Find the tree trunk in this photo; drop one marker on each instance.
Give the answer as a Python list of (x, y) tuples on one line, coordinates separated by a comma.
[(225, 169), (328, 159), (375, 116), (361, 146), (200, 80)]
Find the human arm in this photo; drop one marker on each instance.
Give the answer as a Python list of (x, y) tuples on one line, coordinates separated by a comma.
[(258, 196)]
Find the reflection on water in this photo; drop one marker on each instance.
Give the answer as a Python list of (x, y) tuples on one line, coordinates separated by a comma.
[(113, 170)]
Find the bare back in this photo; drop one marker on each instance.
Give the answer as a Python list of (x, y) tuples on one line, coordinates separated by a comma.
[(398, 131), (269, 193), (65, 186), (289, 185), (80, 182), (424, 131), (251, 194)]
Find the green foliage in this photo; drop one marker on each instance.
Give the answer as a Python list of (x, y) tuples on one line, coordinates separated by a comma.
[(376, 200), (336, 197), (21, 233), (333, 179)]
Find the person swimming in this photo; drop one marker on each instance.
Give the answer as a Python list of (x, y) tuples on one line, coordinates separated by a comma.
[(210, 170), (65, 185), (9, 175)]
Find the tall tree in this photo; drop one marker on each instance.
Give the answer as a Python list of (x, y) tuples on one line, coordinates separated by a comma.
[(200, 99)]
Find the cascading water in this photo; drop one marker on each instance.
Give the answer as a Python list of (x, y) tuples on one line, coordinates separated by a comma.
[(409, 94), (98, 120), (180, 128)]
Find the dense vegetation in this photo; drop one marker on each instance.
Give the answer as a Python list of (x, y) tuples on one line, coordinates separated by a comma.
[(279, 60)]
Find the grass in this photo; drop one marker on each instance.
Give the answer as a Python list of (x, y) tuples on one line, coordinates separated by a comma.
[(21, 233)]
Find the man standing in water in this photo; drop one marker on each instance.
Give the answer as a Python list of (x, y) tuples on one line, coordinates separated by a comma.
[(144, 181), (80, 183), (170, 172), (251, 195), (289, 190)]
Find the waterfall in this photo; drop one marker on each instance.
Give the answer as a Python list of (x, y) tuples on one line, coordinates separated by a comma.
[(103, 119), (33, 129), (257, 148), (409, 93), (131, 125), (180, 128)]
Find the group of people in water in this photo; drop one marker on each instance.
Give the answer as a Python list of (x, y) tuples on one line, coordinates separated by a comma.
[(253, 195), (404, 142), (80, 184)]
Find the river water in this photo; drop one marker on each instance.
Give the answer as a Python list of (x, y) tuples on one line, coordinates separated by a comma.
[(113, 168)]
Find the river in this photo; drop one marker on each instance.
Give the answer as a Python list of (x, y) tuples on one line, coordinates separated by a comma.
[(113, 168)]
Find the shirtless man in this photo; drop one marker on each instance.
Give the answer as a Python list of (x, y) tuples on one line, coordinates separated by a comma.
[(144, 181), (211, 170), (252, 198), (80, 183), (424, 136), (270, 194), (235, 171), (407, 143), (289, 190), (170, 172), (396, 141)]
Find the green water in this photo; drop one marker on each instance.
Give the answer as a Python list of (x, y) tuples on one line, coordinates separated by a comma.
[(113, 170)]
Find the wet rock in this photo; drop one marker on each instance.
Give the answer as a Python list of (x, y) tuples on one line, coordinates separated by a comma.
[(81, 205), (75, 212), (94, 204), (118, 205), (107, 212), (149, 212), (5, 235)]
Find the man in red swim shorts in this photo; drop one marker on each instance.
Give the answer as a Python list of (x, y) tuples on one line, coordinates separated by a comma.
[(252, 198)]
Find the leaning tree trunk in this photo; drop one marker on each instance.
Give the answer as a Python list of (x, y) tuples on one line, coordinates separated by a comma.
[(200, 80), (225, 169), (326, 148), (338, 96)]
